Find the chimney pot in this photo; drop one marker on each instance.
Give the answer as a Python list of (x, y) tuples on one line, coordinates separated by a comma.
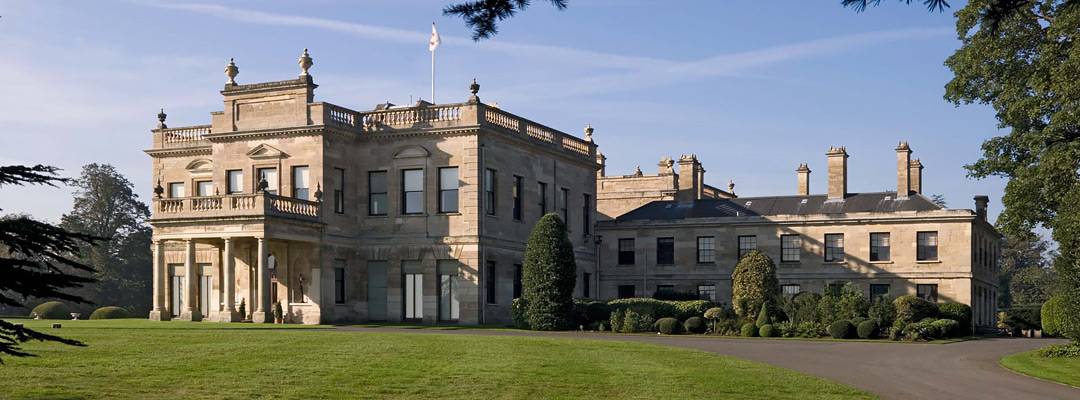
[(981, 201), (690, 175), (915, 176)]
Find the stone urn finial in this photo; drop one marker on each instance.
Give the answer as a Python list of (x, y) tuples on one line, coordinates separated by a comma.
[(474, 88), (305, 63), (158, 190), (263, 184), (588, 132), (231, 71), (731, 186), (161, 119), (318, 192)]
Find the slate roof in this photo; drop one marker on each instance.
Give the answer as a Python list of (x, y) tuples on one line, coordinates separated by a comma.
[(883, 202)]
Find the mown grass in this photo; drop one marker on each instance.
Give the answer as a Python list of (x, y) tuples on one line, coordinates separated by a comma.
[(1058, 369), (143, 359)]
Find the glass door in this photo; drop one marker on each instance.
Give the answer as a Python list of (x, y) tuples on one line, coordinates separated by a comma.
[(177, 295)]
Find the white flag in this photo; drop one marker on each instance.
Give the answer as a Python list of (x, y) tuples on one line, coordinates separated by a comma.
[(435, 39)]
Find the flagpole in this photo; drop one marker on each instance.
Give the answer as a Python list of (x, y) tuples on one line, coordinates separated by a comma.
[(433, 77)]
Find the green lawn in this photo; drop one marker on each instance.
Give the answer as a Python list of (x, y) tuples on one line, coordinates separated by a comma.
[(1058, 369), (143, 359)]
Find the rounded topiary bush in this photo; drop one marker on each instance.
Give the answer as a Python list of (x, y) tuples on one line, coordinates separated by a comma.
[(768, 330), (867, 330), (669, 326), (695, 325), (858, 320), (1054, 316), (52, 310), (749, 330), (914, 309), (754, 283), (958, 312), (946, 328), (110, 312), (842, 329)]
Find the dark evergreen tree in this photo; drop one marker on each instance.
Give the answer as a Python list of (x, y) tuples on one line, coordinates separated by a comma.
[(37, 259), (549, 276)]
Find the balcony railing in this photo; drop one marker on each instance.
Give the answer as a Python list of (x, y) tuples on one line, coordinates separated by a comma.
[(185, 136), (237, 205)]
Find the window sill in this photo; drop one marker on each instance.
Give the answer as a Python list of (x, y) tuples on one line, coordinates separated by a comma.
[(834, 262), (492, 216), (665, 265), (378, 216), (301, 304), (625, 265), (412, 215), (927, 261), (790, 263), (706, 263), (449, 214), (881, 262)]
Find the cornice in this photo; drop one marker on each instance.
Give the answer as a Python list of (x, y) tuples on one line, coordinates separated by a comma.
[(180, 152)]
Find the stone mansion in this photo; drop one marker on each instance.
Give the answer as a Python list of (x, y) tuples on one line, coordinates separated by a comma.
[(421, 213)]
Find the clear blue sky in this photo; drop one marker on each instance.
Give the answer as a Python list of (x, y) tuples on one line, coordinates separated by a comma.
[(753, 88)]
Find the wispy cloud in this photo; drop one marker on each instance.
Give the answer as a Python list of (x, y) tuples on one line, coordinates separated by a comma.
[(633, 73), (558, 54)]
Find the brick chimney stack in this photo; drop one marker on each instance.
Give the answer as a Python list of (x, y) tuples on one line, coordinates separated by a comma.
[(804, 180), (915, 175), (602, 160), (837, 172), (903, 167), (690, 175)]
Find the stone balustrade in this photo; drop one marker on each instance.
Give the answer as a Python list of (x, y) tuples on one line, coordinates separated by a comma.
[(185, 136), (411, 118), (236, 205)]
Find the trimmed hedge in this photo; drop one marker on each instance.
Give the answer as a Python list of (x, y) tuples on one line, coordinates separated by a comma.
[(768, 330), (959, 312), (749, 330), (858, 320), (867, 330), (657, 309), (669, 326), (912, 309), (1060, 350), (842, 329), (1052, 315), (518, 308), (52, 310), (110, 312), (694, 325)]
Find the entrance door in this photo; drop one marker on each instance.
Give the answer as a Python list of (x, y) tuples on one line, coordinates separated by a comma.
[(177, 295), (376, 290), (206, 283)]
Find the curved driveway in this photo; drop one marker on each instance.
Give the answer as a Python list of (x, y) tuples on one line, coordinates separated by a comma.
[(964, 370)]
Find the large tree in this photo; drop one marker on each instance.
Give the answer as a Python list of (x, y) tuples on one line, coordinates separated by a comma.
[(549, 275), (1017, 56), (1024, 270), (36, 260), (106, 206)]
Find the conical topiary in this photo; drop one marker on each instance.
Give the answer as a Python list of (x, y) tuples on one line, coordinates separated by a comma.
[(549, 275)]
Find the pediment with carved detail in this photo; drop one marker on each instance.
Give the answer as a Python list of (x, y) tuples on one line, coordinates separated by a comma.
[(265, 151), (411, 151), (198, 166)]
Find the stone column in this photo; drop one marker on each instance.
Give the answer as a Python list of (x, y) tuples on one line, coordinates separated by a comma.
[(159, 313), (191, 310), (228, 278), (261, 314)]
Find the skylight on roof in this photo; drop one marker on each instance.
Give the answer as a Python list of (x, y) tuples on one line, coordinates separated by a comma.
[(748, 203), (803, 201)]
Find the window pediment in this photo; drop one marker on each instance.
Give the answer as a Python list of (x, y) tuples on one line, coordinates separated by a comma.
[(411, 151), (200, 166), (265, 151)]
